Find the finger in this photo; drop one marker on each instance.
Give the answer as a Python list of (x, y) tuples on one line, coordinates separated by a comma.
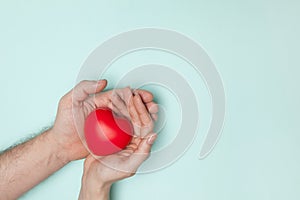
[(126, 153), (102, 99), (134, 116), (154, 117), (136, 140), (141, 110), (107, 99), (125, 95), (119, 104), (86, 88), (143, 151), (152, 107), (131, 146), (146, 120), (145, 95)]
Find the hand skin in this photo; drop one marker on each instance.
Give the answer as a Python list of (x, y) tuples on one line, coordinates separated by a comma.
[(101, 172), (26, 165), (78, 103), (98, 178)]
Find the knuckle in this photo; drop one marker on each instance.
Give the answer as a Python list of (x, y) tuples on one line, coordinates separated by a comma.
[(63, 101), (137, 123), (126, 90), (146, 119)]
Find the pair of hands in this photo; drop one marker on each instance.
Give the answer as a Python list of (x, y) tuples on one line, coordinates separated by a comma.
[(74, 107)]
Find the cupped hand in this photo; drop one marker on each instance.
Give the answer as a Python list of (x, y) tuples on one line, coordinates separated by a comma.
[(109, 169), (101, 172), (83, 99)]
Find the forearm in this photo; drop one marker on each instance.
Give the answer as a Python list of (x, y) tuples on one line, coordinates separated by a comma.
[(26, 165)]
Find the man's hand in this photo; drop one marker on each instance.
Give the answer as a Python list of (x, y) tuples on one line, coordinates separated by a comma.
[(99, 175), (43, 155), (83, 99), (101, 172)]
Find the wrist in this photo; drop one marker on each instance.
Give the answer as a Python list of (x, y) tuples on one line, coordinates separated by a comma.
[(58, 149), (93, 190)]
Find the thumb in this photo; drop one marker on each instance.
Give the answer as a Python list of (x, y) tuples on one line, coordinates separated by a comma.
[(86, 88), (143, 150)]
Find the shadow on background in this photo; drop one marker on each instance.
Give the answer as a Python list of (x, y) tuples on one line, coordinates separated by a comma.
[(113, 192)]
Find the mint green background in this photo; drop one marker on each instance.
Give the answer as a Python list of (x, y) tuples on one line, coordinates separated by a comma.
[(255, 46)]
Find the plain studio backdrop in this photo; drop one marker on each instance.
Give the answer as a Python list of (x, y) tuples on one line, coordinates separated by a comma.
[(254, 45)]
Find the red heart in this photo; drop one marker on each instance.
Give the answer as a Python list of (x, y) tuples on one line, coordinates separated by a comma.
[(105, 133)]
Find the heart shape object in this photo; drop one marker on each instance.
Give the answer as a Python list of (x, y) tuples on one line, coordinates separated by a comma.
[(105, 133)]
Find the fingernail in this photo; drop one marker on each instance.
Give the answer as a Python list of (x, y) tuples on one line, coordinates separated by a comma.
[(151, 139), (101, 80)]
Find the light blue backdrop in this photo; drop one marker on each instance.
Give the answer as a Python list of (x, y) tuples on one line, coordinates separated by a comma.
[(255, 46)]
